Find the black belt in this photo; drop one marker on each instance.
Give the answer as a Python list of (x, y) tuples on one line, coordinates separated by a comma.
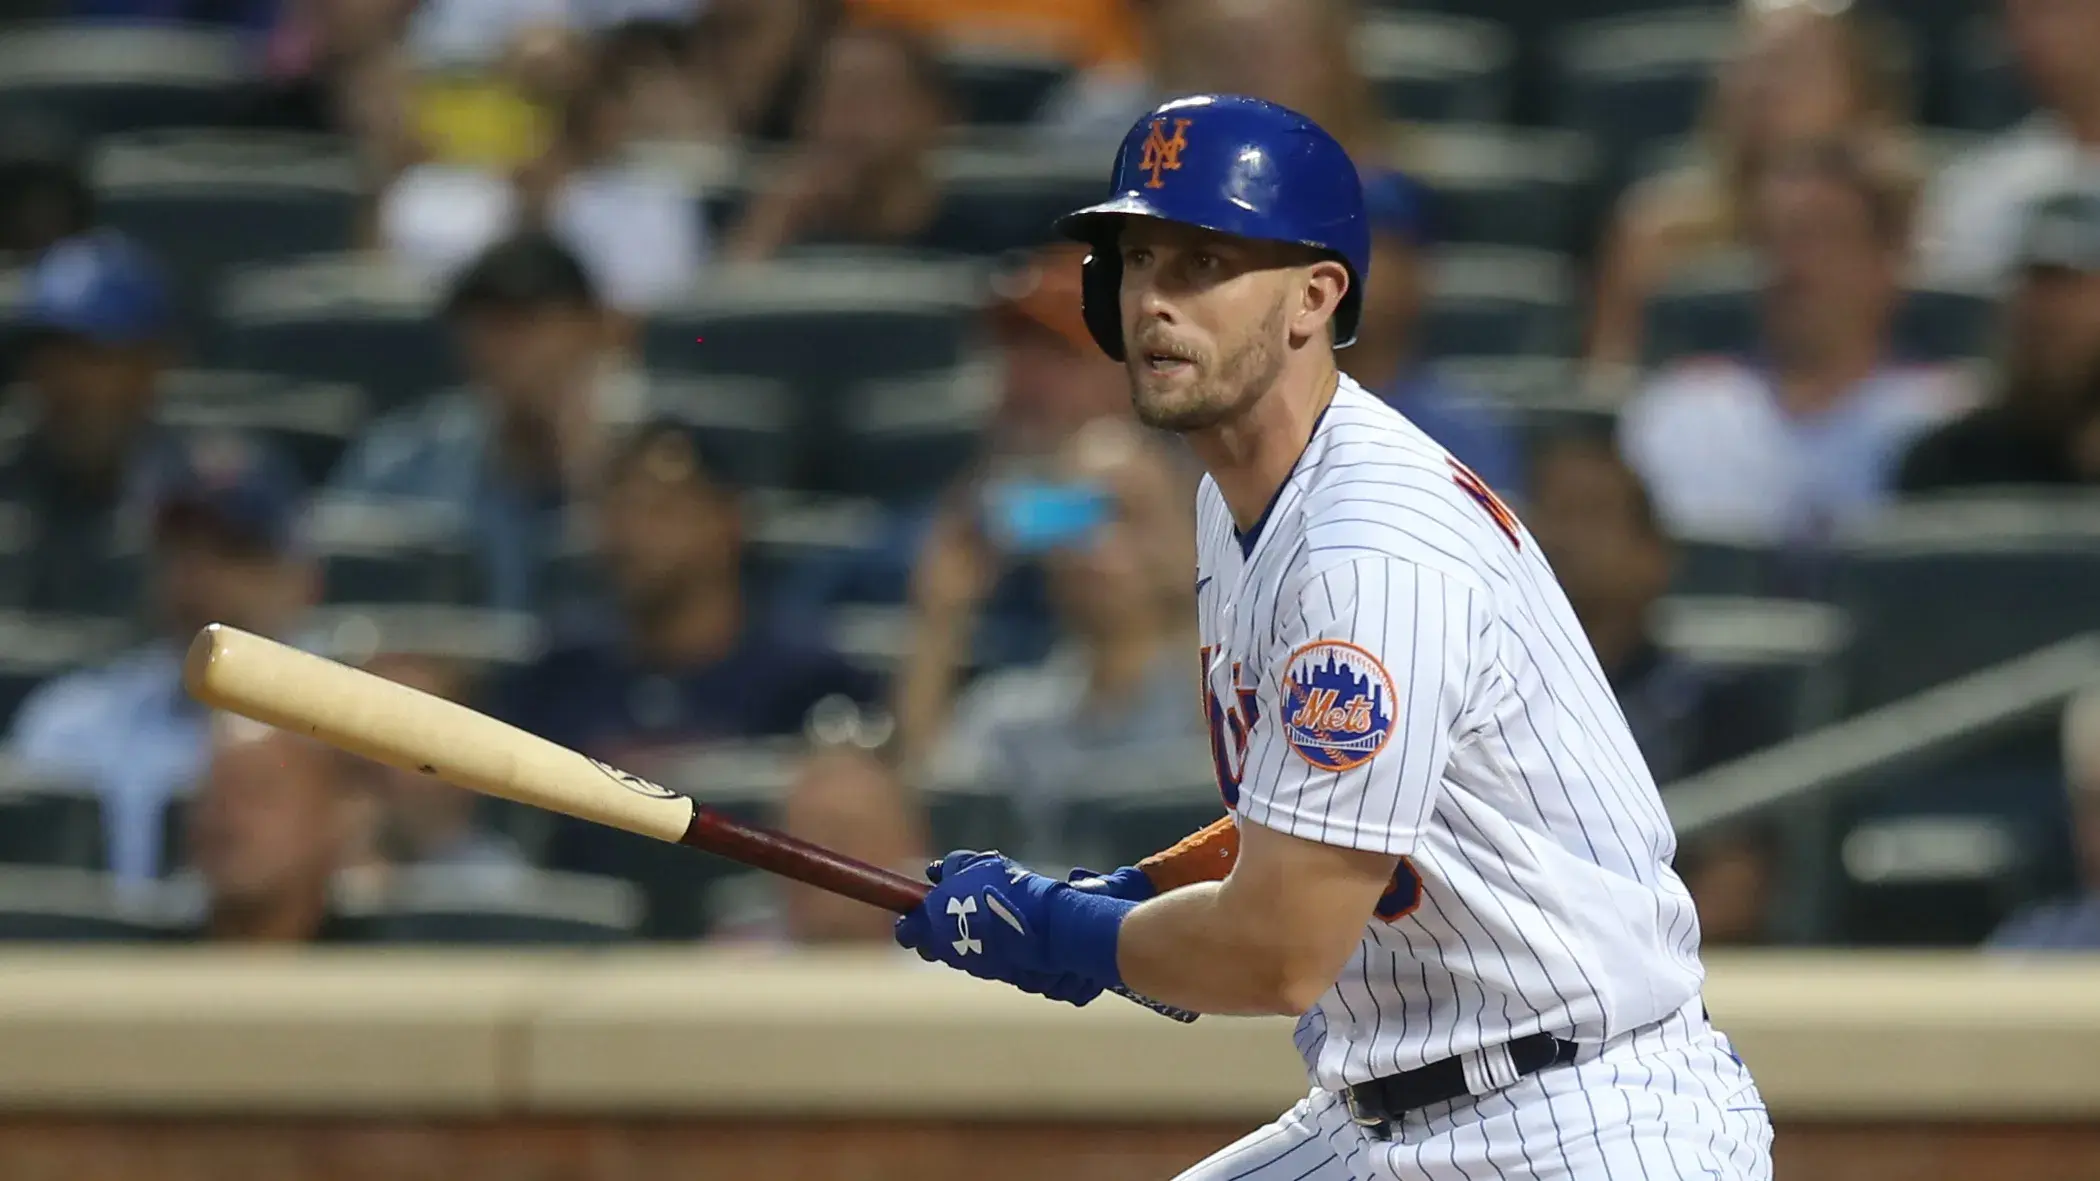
[(1376, 1104)]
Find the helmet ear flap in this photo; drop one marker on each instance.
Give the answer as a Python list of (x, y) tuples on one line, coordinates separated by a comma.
[(1349, 314), (1101, 298)]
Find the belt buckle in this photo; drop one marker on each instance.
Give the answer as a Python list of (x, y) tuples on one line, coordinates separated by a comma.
[(1377, 1126)]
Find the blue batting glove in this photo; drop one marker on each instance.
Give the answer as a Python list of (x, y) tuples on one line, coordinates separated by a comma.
[(997, 920), (1067, 987), (1128, 883)]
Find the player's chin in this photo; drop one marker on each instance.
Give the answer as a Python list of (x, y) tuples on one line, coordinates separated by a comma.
[(1171, 399)]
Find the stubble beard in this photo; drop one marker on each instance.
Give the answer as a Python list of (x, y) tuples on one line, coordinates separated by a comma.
[(1222, 392)]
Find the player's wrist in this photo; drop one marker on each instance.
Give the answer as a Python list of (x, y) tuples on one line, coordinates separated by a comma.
[(1083, 930)]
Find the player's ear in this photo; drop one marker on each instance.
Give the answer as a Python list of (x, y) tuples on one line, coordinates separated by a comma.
[(1321, 287)]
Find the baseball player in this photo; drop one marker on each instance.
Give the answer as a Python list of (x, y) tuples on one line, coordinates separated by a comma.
[(1452, 865)]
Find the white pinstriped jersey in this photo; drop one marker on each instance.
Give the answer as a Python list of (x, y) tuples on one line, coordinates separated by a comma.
[(1391, 665)]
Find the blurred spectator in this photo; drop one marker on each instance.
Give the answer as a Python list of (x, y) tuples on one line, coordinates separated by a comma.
[(2045, 426), (848, 801), (1083, 32), (688, 660), (1053, 380), (1294, 52), (1733, 878), (1802, 72), (1107, 711), (513, 452), (1384, 356), (753, 60), (44, 193), (1594, 521), (267, 834), (1800, 432), (1970, 227), (636, 227), (223, 510), (98, 335), (862, 169), (2071, 924), (423, 821)]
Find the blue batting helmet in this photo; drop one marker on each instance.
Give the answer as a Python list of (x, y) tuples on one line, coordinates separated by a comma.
[(1233, 164)]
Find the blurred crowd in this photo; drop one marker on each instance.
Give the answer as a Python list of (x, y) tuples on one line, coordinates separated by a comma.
[(694, 383)]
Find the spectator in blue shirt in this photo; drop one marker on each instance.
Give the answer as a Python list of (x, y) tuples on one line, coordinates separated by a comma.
[(2070, 924), (222, 509), (510, 455), (1386, 357), (687, 661), (97, 334)]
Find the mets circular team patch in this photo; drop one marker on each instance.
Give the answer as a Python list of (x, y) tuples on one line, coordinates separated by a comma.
[(1338, 705)]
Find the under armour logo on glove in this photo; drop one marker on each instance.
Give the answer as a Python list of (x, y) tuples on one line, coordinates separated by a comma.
[(961, 909)]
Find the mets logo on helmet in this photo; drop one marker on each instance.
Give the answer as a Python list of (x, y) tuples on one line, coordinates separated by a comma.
[(1163, 152), (1338, 705)]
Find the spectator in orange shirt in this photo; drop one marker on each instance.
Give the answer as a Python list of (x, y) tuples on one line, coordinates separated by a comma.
[(1294, 52), (1085, 32)]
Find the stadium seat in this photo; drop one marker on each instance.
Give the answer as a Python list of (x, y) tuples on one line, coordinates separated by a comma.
[(1712, 566), (313, 421), (1712, 307), (502, 906), (822, 325), (1434, 68), (1487, 300), (45, 904), (337, 319), (966, 819), (786, 532), (1946, 586), (1124, 831), (904, 439), (205, 203), (1633, 80), (1985, 91), (393, 552), (475, 636), (1505, 187), (49, 820), (36, 646), (1943, 855), (746, 424), (1945, 324), (1777, 655), (112, 78), (1000, 85), (1019, 191)]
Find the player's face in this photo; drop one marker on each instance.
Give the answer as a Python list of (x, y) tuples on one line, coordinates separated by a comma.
[(1203, 322)]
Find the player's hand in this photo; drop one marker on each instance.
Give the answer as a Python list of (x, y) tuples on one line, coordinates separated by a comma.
[(984, 917), (1128, 883)]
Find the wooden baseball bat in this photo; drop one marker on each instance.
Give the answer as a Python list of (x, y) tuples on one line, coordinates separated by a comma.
[(391, 723)]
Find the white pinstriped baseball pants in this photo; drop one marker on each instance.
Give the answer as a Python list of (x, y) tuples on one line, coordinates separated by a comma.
[(1665, 1103)]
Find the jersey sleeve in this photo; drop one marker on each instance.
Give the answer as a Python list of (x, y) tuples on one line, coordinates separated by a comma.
[(1371, 671)]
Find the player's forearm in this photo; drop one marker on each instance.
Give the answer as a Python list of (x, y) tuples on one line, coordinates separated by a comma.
[(1190, 949)]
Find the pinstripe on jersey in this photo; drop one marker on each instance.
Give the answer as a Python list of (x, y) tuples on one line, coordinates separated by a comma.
[(1536, 893)]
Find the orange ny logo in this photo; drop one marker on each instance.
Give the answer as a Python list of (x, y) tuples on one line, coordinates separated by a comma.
[(1163, 154)]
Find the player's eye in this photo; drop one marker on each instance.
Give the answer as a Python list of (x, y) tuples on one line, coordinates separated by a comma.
[(1137, 256), (1204, 260)]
